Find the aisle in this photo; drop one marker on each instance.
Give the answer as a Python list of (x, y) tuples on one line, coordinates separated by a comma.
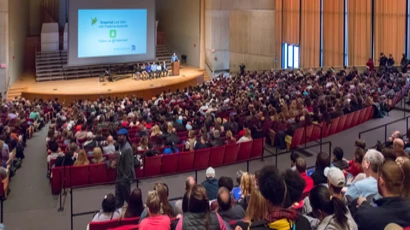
[(30, 202)]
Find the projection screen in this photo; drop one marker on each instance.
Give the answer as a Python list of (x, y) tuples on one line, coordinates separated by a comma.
[(106, 31)]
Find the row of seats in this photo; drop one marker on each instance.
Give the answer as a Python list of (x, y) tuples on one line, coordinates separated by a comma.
[(316, 131), (159, 165), (109, 224)]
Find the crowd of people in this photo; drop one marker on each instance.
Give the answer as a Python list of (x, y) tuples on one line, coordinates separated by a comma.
[(332, 197), (226, 110)]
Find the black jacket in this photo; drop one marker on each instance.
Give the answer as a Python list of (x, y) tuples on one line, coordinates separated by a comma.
[(66, 160), (319, 177), (388, 210)]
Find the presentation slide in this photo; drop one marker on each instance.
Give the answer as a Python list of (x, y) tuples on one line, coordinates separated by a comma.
[(111, 32), (105, 32)]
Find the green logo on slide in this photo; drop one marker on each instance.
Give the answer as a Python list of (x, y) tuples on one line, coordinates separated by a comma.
[(94, 20), (113, 33)]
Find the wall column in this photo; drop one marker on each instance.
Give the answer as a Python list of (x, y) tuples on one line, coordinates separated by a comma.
[(4, 45)]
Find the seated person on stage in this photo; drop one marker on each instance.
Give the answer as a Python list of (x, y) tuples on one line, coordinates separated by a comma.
[(153, 69), (159, 70), (137, 72), (165, 69), (143, 71), (148, 70)]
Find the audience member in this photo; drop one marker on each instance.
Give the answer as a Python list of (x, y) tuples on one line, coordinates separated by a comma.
[(53, 147), (189, 183), (247, 185), (322, 161), (216, 141), (293, 157), (210, 184), (398, 147), (338, 160), (197, 215), (247, 137), (108, 212), (155, 219), (330, 210), (82, 158), (97, 156), (229, 138), (69, 157), (274, 189), (236, 191), (301, 168), (367, 187), (135, 205), (226, 210), (109, 148), (355, 165), (393, 183), (202, 144)]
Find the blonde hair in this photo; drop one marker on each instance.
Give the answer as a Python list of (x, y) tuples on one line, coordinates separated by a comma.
[(170, 127), (82, 159), (246, 184), (97, 155), (248, 133), (155, 131), (153, 202), (257, 207)]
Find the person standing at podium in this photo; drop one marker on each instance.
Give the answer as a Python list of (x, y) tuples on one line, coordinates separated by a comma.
[(174, 58)]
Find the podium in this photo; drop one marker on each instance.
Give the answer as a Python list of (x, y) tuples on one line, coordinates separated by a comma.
[(175, 68)]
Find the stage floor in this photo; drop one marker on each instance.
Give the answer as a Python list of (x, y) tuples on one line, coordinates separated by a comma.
[(91, 87)]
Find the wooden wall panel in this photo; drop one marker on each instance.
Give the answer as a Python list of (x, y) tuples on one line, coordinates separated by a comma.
[(261, 32), (333, 36), (310, 33), (239, 31), (389, 34), (359, 38), (291, 13), (278, 34)]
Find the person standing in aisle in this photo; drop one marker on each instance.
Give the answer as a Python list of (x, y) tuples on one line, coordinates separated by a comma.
[(125, 169)]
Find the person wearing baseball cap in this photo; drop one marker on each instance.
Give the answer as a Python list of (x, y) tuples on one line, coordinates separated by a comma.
[(335, 180), (125, 169)]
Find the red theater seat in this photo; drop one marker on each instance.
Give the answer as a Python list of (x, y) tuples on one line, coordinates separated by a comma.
[(186, 161), (98, 173), (111, 175), (257, 147), (129, 221), (333, 126), (308, 134), (104, 225), (362, 116), (169, 163), (217, 156), (348, 122), (369, 113), (201, 159), (355, 120), (79, 175), (231, 153), (341, 124), (152, 166), (245, 149)]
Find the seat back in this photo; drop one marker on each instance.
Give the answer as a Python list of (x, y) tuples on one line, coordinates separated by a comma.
[(369, 113), (201, 159), (297, 137), (257, 148), (152, 166), (341, 124), (355, 120), (333, 126), (231, 153), (217, 156), (308, 134), (169, 163), (325, 129), (315, 135), (104, 225), (362, 116), (348, 122), (111, 174), (129, 221), (245, 149), (79, 175), (56, 175), (98, 173), (186, 161)]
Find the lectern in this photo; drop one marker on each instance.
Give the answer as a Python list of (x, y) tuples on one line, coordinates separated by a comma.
[(175, 68)]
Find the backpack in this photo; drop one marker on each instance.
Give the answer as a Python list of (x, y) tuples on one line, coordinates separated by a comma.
[(282, 224)]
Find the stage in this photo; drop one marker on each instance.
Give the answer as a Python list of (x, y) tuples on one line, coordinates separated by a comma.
[(68, 91)]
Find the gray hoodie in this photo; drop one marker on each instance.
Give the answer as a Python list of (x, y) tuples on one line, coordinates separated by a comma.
[(329, 223)]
